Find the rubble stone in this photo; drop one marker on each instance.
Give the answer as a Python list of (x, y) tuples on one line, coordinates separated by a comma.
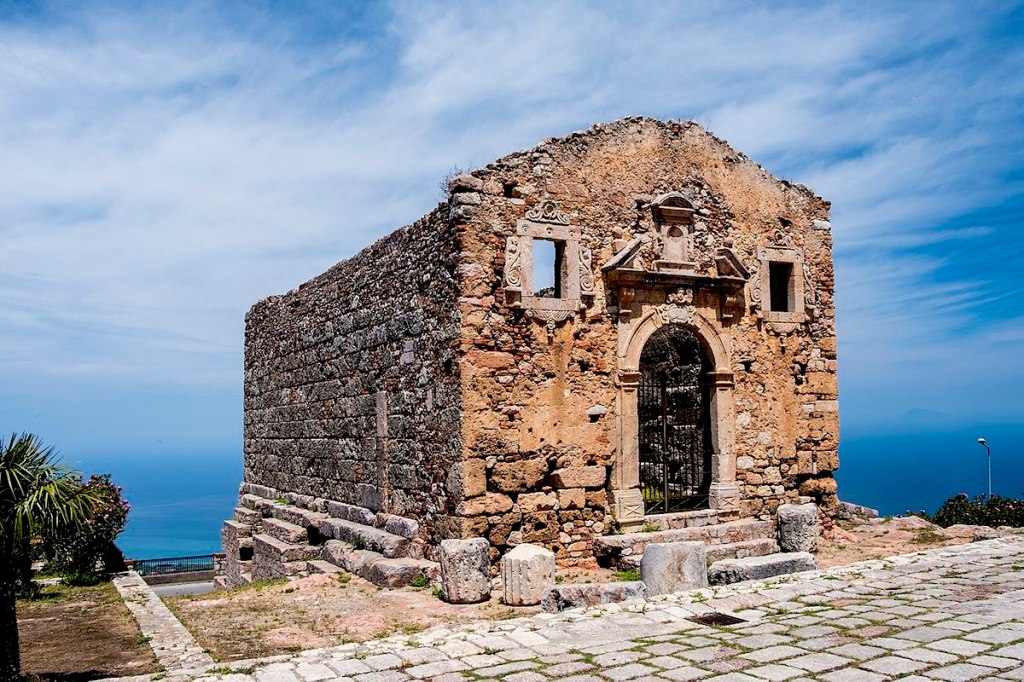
[(799, 527), (527, 573), (729, 571), (674, 567), (572, 596), (465, 571)]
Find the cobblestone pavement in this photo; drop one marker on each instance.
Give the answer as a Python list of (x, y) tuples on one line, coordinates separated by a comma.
[(946, 614)]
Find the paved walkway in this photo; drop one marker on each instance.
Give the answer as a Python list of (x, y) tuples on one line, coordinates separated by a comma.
[(945, 614), (174, 646)]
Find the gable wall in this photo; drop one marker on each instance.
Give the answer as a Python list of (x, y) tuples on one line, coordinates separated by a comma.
[(537, 465)]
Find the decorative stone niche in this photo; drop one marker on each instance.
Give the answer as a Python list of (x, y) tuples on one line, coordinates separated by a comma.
[(573, 286), (673, 220)]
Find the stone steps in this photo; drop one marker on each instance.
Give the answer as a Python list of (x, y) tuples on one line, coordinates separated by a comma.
[(376, 568), (273, 535), (743, 549), (611, 550), (316, 566), (365, 537), (728, 571)]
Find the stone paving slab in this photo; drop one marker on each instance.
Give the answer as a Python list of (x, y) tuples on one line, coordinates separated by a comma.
[(953, 613)]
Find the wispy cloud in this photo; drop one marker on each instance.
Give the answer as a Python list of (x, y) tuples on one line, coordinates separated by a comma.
[(166, 167)]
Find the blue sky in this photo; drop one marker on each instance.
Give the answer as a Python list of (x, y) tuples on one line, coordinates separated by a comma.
[(165, 167)]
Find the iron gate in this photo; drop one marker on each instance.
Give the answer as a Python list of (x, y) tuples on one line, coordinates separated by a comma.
[(674, 423)]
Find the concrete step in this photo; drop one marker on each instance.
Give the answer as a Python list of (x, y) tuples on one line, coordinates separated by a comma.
[(374, 567), (728, 571), (285, 532), (610, 550), (365, 537)]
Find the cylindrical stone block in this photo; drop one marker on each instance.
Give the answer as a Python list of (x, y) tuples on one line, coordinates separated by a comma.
[(674, 567), (527, 573), (799, 527), (465, 570)]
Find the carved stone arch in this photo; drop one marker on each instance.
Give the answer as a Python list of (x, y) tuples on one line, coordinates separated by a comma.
[(627, 500), (711, 342)]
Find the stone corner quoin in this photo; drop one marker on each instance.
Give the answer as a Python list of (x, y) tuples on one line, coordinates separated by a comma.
[(617, 325)]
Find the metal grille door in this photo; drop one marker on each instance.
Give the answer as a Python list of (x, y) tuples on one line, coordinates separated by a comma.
[(674, 423)]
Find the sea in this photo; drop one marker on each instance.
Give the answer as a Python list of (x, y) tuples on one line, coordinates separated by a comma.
[(179, 502)]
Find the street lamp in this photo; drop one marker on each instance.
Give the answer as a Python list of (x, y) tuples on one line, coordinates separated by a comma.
[(981, 441)]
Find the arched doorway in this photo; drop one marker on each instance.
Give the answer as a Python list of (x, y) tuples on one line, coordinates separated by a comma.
[(674, 422)]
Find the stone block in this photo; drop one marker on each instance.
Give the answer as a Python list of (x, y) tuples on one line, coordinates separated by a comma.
[(350, 512), (572, 498), (579, 477), (798, 527), (284, 531), (491, 503), (513, 477), (368, 537), (398, 572), (468, 478), (398, 525), (729, 571), (465, 570), (531, 502), (527, 573), (562, 597), (464, 182), (674, 567)]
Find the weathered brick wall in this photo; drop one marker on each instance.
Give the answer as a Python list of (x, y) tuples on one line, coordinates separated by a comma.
[(536, 460), (351, 381)]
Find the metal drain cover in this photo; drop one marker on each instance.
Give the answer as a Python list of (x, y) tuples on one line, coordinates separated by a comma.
[(715, 618)]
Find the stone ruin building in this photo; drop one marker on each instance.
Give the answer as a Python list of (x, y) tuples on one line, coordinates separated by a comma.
[(618, 337)]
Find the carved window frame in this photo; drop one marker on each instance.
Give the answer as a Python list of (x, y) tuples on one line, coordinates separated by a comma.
[(762, 294), (578, 277)]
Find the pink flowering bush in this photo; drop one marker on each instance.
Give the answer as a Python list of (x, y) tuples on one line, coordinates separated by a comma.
[(980, 511), (77, 553)]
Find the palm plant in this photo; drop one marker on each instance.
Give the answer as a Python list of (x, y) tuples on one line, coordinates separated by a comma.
[(37, 493)]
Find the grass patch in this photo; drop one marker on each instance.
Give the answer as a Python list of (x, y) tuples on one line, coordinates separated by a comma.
[(626, 576), (419, 581)]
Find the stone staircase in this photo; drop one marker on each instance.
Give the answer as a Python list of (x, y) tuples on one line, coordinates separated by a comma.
[(725, 540), (287, 536)]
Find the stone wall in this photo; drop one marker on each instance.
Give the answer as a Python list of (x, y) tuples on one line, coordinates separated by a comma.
[(352, 390), (540, 418), (412, 379)]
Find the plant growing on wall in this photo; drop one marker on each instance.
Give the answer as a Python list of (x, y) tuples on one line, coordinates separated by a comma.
[(76, 551), (37, 495)]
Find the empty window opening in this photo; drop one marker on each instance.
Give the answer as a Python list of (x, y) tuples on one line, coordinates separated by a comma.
[(780, 276), (548, 268)]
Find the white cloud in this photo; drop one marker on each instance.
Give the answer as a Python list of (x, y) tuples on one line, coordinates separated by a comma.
[(164, 169)]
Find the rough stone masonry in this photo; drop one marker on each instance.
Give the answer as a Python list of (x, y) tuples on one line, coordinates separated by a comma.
[(624, 327)]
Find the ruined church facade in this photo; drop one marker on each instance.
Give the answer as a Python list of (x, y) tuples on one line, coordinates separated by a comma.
[(624, 328)]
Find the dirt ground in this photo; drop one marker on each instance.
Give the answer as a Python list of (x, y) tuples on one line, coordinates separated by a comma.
[(848, 542), (319, 611), (81, 633)]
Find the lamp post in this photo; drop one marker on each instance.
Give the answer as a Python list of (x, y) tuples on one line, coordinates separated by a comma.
[(981, 441)]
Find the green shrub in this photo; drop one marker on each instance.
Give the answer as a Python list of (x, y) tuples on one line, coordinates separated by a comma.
[(76, 551), (979, 511)]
